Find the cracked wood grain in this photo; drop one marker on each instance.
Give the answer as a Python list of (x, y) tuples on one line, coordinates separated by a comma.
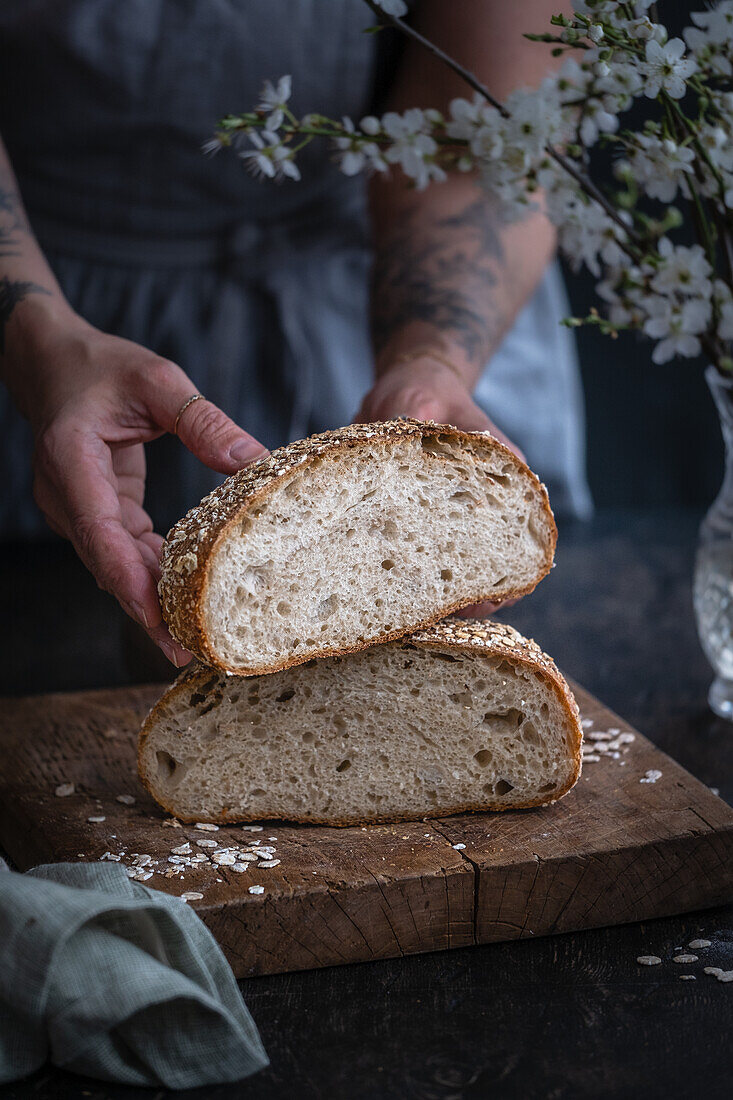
[(613, 851)]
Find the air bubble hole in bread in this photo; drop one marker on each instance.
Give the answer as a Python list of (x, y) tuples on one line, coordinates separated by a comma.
[(462, 716), (351, 538)]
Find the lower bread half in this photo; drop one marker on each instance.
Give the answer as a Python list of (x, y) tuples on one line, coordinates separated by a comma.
[(461, 716)]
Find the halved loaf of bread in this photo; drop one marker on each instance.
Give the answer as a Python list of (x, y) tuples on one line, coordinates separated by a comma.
[(461, 716), (350, 538)]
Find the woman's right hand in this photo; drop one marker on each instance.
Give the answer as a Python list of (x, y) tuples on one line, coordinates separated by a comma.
[(93, 401)]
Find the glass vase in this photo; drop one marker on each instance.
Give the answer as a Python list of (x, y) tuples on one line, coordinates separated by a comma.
[(713, 578)]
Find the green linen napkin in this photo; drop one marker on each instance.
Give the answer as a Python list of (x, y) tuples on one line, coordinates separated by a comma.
[(111, 979)]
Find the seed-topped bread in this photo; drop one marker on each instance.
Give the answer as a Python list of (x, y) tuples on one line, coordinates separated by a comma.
[(460, 716), (349, 538)]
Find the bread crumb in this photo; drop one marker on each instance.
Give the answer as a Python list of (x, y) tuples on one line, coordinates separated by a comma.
[(649, 960), (64, 790), (256, 889), (173, 823)]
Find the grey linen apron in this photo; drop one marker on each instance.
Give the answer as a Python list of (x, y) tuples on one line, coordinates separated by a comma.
[(258, 291)]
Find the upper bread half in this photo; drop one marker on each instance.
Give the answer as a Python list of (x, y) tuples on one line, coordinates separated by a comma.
[(350, 538)]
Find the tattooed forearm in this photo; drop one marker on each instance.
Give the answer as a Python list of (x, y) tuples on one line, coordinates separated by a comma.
[(13, 222), (444, 272), (11, 293)]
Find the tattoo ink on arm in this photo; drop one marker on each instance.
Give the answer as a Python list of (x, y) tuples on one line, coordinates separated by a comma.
[(11, 293), (444, 272)]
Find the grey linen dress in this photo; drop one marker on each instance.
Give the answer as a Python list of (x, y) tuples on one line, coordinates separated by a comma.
[(258, 291)]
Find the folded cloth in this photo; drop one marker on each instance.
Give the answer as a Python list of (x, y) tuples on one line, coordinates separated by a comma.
[(111, 979)]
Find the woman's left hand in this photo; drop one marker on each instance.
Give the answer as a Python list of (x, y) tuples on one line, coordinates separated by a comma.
[(426, 389)]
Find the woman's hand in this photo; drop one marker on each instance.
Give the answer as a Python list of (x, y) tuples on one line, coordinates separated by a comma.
[(429, 390), (93, 400)]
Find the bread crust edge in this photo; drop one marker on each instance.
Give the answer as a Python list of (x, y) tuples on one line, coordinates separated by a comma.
[(438, 638), (183, 598)]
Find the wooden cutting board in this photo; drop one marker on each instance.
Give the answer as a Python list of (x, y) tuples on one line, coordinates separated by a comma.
[(614, 850)]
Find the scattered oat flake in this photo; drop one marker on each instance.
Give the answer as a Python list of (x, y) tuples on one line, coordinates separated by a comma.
[(111, 855), (685, 959), (126, 799), (651, 776), (207, 826), (239, 867), (590, 757), (697, 945), (173, 823), (459, 847), (96, 820), (719, 973), (182, 850), (268, 863), (256, 889), (687, 978), (226, 859), (272, 838), (64, 789), (253, 828), (586, 723), (207, 843), (649, 960), (191, 895), (715, 791)]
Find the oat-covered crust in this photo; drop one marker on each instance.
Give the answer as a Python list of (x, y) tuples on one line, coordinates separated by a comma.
[(484, 638), (190, 544)]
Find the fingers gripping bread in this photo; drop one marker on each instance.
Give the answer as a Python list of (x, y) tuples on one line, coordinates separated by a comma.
[(460, 716), (350, 538)]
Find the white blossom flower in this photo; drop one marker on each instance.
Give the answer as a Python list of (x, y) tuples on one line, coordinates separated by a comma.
[(710, 40), (211, 147), (397, 8), (358, 155), (596, 120), (716, 23), (659, 165), (479, 124), (646, 31), (682, 269), (619, 88), (667, 67), (676, 326), (412, 146), (273, 99), (534, 119), (269, 157), (723, 300)]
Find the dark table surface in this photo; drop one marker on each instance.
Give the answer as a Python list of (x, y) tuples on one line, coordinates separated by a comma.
[(570, 1016)]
